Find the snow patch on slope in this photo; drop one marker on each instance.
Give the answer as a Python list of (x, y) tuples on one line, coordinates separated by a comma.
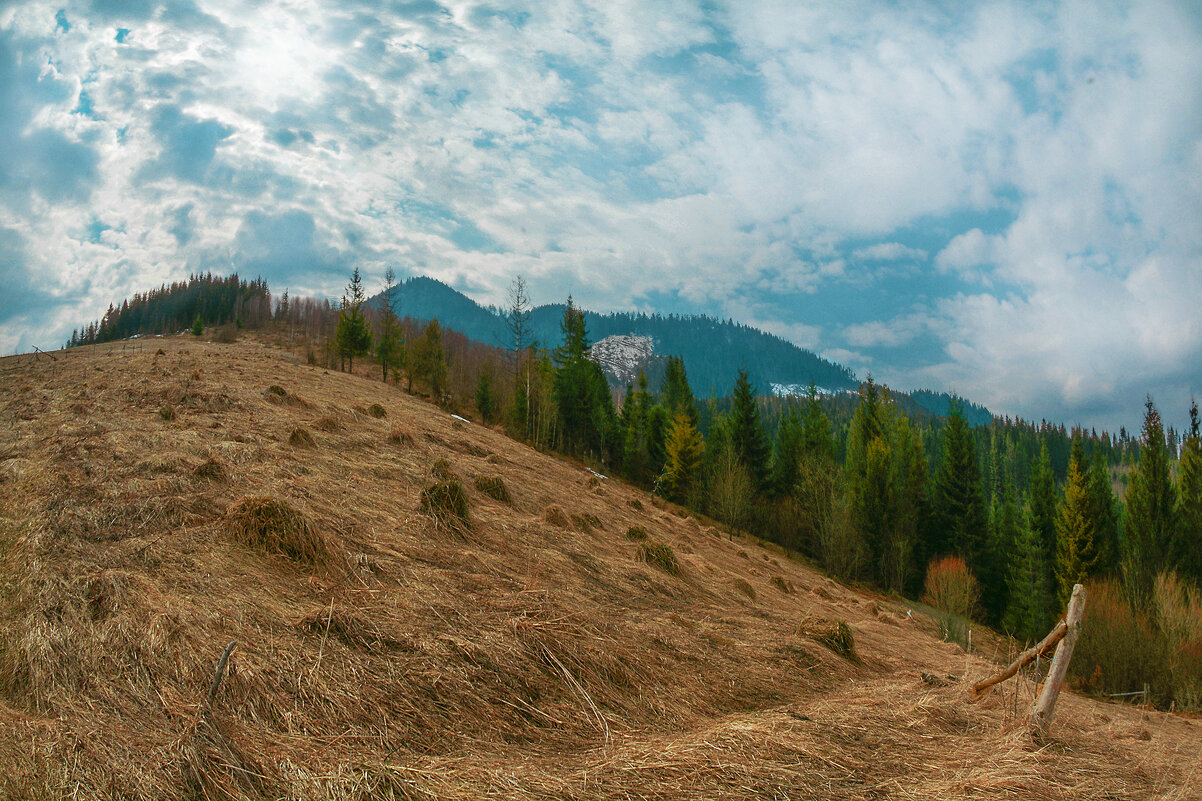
[(622, 355), (802, 390)]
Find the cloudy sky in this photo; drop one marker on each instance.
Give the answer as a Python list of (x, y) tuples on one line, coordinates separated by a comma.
[(999, 199)]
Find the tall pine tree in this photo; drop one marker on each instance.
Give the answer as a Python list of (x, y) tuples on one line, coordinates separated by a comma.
[(1076, 527), (1187, 551), (1042, 505), (581, 392), (959, 517), (684, 452), (1151, 510), (1105, 513), (747, 433), (1028, 611)]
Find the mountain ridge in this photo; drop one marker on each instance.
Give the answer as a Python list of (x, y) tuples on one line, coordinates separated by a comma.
[(713, 350)]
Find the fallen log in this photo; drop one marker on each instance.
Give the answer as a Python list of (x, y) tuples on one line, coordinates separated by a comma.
[(982, 688)]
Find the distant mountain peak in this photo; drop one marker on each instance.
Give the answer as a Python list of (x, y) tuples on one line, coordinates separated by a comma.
[(622, 355)]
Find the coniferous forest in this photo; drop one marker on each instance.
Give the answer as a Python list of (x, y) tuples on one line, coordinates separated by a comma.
[(991, 523)]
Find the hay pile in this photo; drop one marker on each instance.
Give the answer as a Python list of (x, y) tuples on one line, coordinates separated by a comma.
[(536, 658)]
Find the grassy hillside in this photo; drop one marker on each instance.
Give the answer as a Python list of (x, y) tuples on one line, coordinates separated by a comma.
[(577, 640)]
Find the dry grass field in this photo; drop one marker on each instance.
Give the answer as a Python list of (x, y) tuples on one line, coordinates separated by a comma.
[(426, 609)]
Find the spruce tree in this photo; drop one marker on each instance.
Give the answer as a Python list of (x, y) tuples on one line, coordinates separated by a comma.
[(908, 505), (816, 439), (787, 456), (485, 397), (684, 453), (867, 472), (1187, 551), (960, 521), (677, 395), (390, 348), (352, 336), (1076, 552), (428, 361), (815, 485), (1151, 510), (581, 392), (747, 433), (1027, 614), (1105, 513), (1042, 503)]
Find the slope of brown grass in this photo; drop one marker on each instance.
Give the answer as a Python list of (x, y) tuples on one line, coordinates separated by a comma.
[(381, 654)]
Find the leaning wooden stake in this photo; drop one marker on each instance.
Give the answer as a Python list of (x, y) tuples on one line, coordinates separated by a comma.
[(225, 656), (982, 688), (1045, 705)]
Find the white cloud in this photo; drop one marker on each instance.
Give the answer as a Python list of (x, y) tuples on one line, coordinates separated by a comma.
[(889, 251), (594, 145)]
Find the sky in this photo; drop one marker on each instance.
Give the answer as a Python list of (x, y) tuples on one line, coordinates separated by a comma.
[(998, 199)]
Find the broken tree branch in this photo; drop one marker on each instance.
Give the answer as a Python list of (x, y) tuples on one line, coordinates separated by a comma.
[(982, 688), (225, 655), (1045, 705)]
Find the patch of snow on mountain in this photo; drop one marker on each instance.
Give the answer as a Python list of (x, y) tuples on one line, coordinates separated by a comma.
[(799, 390), (621, 355)]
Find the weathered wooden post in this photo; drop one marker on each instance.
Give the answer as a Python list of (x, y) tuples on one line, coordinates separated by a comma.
[(1045, 705)]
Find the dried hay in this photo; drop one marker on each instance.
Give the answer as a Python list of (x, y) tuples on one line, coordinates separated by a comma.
[(275, 527), (447, 503), (586, 522), (211, 470), (399, 436), (441, 469), (301, 438), (661, 556), (834, 634), (282, 397), (471, 449), (494, 487), (555, 515), (328, 423)]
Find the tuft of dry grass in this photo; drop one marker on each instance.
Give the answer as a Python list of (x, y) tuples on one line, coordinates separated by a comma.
[(743, 586), (211, 470), (636, 533), (275, 527), (834, 634), (399, 436), (782, 584), (494, 487), (442, 470), (555, 515), (447, 503), (301, 438), (282, 397), (328, 423), (661, 556), (377, 411), (586, 522)]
